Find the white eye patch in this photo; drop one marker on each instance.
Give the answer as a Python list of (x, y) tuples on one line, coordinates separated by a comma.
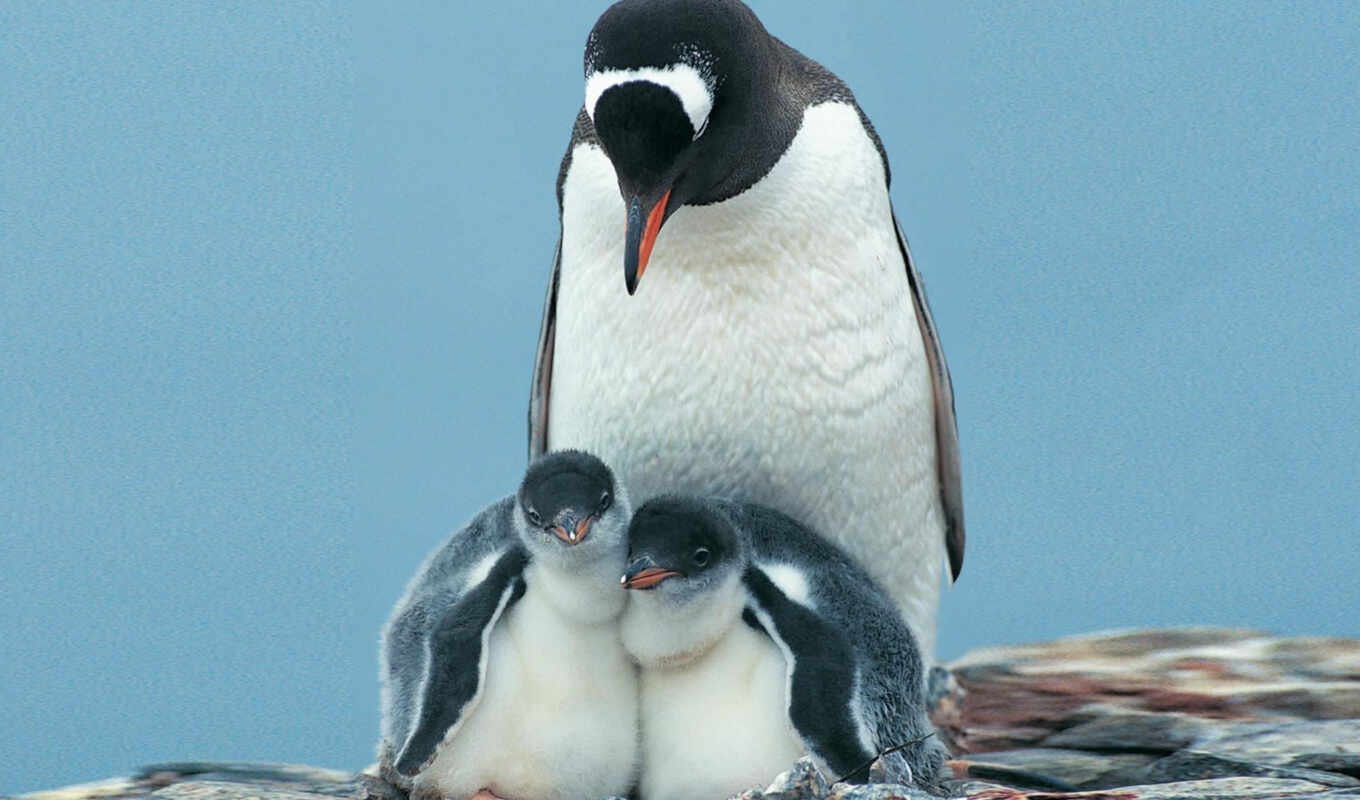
[(684, 81)]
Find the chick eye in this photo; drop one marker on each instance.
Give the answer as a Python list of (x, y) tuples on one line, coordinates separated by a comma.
[(533, 516), (701, 557), (605, 502)]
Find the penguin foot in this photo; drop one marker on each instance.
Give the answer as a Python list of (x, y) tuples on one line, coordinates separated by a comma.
[(486, 794)]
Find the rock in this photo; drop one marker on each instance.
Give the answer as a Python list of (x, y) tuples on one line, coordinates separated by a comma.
[(1192, 765), (1224, 789), (1220, 789), (198, 780), (113, 787), (1119, 730), (1287, 743), (803, 781), (239, 771), (229, 790), (877, 791), (1019, 696), (1078, 769), (1343, 763), (1146, 715)]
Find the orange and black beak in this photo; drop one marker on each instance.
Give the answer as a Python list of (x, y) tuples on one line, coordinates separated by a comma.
[(643, 573), (641, 235), (570, 526)]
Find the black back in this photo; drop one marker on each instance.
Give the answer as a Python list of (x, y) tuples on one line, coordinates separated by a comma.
[(439, 605), (452, 638), (821, 693), (855, 628)]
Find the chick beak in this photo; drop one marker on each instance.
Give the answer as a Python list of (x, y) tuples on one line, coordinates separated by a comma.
[(571, 527), (643, 573)]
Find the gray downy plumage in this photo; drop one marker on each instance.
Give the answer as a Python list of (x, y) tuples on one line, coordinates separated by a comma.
[(855, 685), (563, 533)]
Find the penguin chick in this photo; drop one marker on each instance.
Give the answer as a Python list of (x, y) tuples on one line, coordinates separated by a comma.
[(502, 668), (759, 641)]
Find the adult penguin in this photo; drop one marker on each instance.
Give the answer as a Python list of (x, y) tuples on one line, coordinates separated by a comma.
[(781, 350)]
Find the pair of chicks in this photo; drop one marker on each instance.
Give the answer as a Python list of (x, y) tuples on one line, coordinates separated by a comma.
[(516, 666)]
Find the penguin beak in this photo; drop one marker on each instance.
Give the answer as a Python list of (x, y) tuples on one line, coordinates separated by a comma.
[(640, 237), (642, 573), (571, 527)]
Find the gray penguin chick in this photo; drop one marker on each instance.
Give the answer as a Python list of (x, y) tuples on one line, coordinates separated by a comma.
[(502, 668), (760, 641)]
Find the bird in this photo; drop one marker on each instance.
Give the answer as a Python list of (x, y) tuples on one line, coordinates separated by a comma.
[(760, 642), (502, 669), (780, 349)]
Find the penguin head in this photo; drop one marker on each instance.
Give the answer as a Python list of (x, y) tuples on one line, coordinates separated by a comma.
[(569, 508), (681, 549), (670, 90)]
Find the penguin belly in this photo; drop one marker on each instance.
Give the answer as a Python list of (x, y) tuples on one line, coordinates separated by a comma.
[(772, 355), (557, 719), (719, 724)]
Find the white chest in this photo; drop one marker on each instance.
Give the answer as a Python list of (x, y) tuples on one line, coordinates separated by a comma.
[(771, 353), (557, 717), (717, 725)]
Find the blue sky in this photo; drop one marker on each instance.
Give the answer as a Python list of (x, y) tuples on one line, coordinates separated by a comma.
[(270, 280)]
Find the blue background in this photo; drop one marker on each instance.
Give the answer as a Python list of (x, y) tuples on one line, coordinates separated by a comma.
[(270, 279)]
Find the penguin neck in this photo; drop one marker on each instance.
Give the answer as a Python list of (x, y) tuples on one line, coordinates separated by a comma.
[(588, 593), (660, 635)]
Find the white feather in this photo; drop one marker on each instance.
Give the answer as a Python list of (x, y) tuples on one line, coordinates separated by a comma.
[(558, 707), (683, 80), (791, 581), (480, 570), (659, 632), (862, 727), (771, 354), (718, 724)]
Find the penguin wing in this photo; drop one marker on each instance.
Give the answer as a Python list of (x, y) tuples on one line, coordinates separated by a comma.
[(946, 426), (822, 682), (444, 673), (543, 360), (582, 130)]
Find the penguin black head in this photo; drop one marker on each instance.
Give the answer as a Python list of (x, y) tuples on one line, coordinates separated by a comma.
[(568, 500), (681, 546), (681, 95)]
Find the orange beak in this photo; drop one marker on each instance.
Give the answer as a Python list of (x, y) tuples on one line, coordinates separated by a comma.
[(640, 238), (647, 578), (572, 532)]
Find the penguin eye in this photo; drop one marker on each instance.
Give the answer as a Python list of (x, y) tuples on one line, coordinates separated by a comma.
[(701, 557), (533, 516), (605, 502)]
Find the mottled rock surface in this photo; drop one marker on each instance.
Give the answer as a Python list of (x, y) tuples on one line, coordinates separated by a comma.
[(1147, 715)]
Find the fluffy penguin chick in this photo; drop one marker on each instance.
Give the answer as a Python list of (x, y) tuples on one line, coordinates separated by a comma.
[(502, 668), (759, 641)]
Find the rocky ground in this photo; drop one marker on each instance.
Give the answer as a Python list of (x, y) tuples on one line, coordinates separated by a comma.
[(1164, 715)]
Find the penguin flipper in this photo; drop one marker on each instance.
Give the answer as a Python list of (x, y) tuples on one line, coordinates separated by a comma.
[(822, 676), (946, 425), (454, 660), (543, 360)]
